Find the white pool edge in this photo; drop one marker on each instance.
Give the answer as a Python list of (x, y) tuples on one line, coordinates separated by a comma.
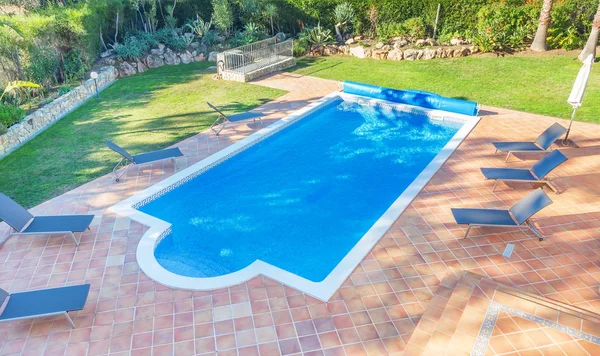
[(321, 290)]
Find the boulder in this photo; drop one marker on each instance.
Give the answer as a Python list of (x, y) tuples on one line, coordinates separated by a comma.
[(420, 54), (126, 69), (395, 55), (380, 54), (344, 49), (379, 45), (440, 53), (330, 50), (429, 53), (153, 61), (186, 57), (359, 38), (106, 53), (358, 51), (456, 41), (159, 50), (316, 50), (400, 43), (200, 58), (474, 49), (212, 56), (171, 58), (194, 44), (410, 54), (141, 67), (431, 42), (386, 48), (420, 43), (350, 41)]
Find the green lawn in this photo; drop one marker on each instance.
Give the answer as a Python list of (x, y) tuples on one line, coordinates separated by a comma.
[(534, 84), (144, 112)]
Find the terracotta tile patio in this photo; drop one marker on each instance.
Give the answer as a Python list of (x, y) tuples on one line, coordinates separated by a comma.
[(376, 310)]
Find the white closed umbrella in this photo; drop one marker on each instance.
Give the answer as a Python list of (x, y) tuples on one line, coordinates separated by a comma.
[(578, 91)]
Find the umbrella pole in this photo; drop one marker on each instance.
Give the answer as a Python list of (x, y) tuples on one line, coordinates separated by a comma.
[(570, 123)]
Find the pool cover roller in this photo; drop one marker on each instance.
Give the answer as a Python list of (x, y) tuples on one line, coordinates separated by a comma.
[(413, 97)]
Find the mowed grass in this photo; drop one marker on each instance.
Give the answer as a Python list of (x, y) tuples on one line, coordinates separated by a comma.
[(141, 113), (538, 85)]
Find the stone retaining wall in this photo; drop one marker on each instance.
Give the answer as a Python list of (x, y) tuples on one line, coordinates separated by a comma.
[(39, 120)]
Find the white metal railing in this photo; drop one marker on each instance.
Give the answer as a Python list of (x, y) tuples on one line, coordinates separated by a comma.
[(256, 55)]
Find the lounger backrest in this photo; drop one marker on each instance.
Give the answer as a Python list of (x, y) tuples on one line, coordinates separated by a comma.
[(3, 295), (548, 163), (550, 135), (113, 146), (217, 110), (530, 205), (13, 214)]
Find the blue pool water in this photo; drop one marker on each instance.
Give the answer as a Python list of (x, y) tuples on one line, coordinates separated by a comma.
[(300, 199)]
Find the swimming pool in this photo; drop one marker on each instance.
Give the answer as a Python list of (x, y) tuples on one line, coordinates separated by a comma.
[(302, 201)]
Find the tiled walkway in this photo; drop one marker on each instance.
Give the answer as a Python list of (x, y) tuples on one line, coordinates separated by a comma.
[(377, 308)]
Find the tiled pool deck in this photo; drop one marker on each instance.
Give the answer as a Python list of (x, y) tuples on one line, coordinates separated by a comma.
[(377, 308)]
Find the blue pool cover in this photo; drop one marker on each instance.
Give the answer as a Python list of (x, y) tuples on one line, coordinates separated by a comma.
[(300, 199), (413, 97)]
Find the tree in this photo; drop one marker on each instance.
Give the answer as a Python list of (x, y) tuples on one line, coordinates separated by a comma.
[(222, 16), (539, 42), (343, 14), (270, 12), (592, 42)]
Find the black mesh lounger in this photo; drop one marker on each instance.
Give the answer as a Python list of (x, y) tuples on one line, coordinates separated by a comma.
[(23, 223), (517, 216), (44, 302), (144, 158), (541, 144), (222, 119), (536, 174)]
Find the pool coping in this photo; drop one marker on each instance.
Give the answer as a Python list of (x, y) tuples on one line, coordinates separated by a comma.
[(158, 229)]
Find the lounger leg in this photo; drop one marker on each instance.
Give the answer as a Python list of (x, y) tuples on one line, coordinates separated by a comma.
[(507, 156), (70, 320), (261, 122), (535, 231), (74, 239), (118, 176), (551, 186), (495, 185), (467, 232)]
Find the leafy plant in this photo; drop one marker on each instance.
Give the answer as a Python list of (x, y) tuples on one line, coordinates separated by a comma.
[(388, 30), (343, 16), (199, 27), (64, 89), (10, 115), (131, 49), (3, 129), (18, 86), (222, 16), (73, 65), (43, 66), (270, 11), (317, 36), (415, 27)]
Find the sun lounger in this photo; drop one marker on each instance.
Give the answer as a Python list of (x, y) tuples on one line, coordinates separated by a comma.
[(541, 144), (517, 216), (23, 223), (536, 174), (144, 158), (222, 119), (44, 302)]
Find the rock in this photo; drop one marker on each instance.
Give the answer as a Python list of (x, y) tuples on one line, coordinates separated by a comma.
[(280, 36), (106, 53), (161, 47), (440, 53), (212, 56), (379, 45), (358, 51), (431, 42), (350, 41), (457, 53), (456, 41), (420, 54), (429, 53), (109, 61), (141, 68), (330, 50), (186, 57), (316, 50), (344, 49), (195, 44), (171, 58), (200, 58), (400, 43), (410, 54), (386, 48), (420, 43), (359, 38), (126, 69), (153, 61), (380, 54), (474, 49), (395, 55)]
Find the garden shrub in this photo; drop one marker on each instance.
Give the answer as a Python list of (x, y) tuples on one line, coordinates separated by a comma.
[(43, 66), (131, 49), (64, 89), (415, 27), (10, 115), (73, 66)]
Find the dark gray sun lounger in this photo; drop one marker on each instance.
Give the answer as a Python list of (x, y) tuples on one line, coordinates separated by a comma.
[(44, 302), (536, 174), (144, 158), (23, 223), (517, 216), (541, 144), (222, 119)]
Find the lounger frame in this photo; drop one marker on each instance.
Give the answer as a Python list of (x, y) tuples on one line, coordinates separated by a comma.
[(13, 232), (222, 120), (543, 151), (123, 159), (544, 182), (526, 224), (65, 313)]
